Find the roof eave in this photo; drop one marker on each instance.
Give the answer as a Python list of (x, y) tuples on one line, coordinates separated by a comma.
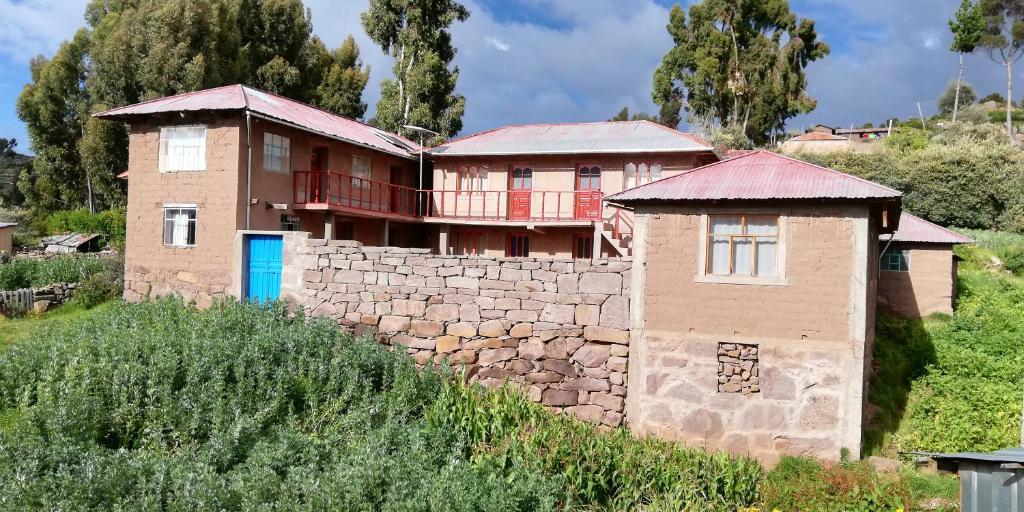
[(579, 152)]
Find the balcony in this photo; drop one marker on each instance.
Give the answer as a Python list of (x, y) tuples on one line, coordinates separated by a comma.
[(361, 196)]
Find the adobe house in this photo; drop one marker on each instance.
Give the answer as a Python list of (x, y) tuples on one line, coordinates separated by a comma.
[(815, 142), (7, 237), (753, 304), (918, 269), (537, 190)]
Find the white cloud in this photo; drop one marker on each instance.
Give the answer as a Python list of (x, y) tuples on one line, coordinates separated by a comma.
[(32, 27), (498, 44)]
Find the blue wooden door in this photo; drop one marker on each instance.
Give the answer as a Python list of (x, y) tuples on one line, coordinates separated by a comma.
[(264, 268)]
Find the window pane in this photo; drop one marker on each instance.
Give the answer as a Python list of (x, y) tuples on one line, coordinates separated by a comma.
[(719, 255), (726, 224), (767, 257), (655, 171), (643, 174), (762, 225), (742, 256)]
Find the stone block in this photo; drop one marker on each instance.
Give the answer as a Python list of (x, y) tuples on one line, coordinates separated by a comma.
[(606, 334), (522, 330), (592, 354), (560, 366), (411, 308), (558, 313), (442, 312), (588, 314), (489, 357), (482, 344), (492, 329), (426, 328), (587, 384), (617, 364), (445, 344), (348, 276), (413, 342), (544, 377), (820, 413), (612, 403), (469, 313), (559, 398), (568, 283), (469, 283), (520, 366), (608, 283), (464, 357), (612, 419), (556, 349), (587, 413), (390, 323), (702, 424), (615, 312), (520, 315), (462, 329), (506, 303), (531, 349)]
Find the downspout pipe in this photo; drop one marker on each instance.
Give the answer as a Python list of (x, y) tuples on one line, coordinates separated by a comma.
[(248, 168)]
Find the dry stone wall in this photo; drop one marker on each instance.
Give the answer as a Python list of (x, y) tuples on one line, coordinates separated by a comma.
[(559, 328)]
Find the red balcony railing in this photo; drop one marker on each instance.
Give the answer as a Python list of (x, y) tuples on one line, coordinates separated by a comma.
[(343, 191), (335, 189), (523, 205)]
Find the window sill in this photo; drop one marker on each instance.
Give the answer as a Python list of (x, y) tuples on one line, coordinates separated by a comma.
[(741, 280), (168, 246)]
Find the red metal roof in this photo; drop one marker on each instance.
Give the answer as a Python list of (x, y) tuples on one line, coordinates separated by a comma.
[(574, 138), (916, 229), (758, 175), (273, 108)]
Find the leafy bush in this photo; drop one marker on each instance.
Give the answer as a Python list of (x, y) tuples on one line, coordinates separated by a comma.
[(67, 268), (109, 223), (247, 407), (98, 288)]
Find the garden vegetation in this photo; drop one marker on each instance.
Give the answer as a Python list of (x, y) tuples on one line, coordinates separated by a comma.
[(66, 268)]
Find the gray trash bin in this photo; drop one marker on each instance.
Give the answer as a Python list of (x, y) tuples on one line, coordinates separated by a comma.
[(988, 481)]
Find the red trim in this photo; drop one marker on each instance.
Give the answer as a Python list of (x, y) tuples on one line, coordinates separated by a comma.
[(582, 245), (517, 245)]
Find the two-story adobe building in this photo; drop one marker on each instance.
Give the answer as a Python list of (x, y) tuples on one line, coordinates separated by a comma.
[(538, 190)]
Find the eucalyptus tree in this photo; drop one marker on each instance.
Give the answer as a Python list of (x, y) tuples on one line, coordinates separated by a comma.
[(1004, 42), (968, 27)]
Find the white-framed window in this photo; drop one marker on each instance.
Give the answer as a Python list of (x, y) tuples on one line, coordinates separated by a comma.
[(289, 223), (470, 179), (895, 260), (742, 245), (639, 173), (183, 148), (277, 153), (361, 173), (180, 225)]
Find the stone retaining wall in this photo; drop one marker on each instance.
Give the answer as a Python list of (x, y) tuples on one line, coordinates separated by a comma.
[(42, 299), (558, 327)]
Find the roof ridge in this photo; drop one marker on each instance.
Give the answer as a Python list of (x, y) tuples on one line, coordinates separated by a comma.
[(833, 171), (930, 223), (686, 135), (179, 95), (689, 135)]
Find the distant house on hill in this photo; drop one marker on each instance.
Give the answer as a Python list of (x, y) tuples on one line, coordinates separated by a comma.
[(815, 142)]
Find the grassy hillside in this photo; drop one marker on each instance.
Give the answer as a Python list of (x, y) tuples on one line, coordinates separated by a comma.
[(955, 383)]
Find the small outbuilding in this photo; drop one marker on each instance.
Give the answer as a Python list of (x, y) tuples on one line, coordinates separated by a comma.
[(7, 237), (917, 269), (988, 481)]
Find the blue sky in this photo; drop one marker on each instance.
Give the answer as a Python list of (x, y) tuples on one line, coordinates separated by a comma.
[(526, 61)]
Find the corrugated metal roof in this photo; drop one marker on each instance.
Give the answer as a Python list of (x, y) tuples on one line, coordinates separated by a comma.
[(573, 138), (758, 175), (1004, 455), (7, 224), (274, 108), (916, 229)]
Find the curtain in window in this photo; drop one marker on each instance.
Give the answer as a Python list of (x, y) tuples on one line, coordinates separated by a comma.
[(179, 226), (767, 230), (182, 148), (721, 226)]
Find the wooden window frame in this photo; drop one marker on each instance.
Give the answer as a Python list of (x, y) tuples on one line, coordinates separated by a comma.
[(191, 225), (164, 162), (362, 182), (702, 274), (290, 220), (600, 176), (649, 174), (903, 265), (286, 152), (474, 177), (461, 246), (508, 244), (512, 178), (576, 238)]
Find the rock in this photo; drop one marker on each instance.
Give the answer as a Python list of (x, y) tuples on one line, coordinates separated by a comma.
[(587, 384), (523, 330), (612, 403), (534, 393), (470, 283), (588, 314), (423, 357), (556, 349), (492, 329), (598, 333), (469, 313), (413, 342), (544, 377), (426, 328), (702, 424), (820, 413), (443, 312), (883, 464), (592, 354), (462, 329), (763, 416), (568, 283), (389, 323), (446, 344), (520, 366), (483, 343), (615, 313), (608, 283), (522, 315), (558, 313), (560, 366), (612, 419), (559, 398), (488, 357), (531, 349), (587, 413), (464, 356)]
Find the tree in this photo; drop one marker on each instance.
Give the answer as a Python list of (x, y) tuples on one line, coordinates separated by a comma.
[(957, 93), (739, 61), (995, 97), (135, 50), (623, 115), (968, 26), (1004, 42), (416, 33)]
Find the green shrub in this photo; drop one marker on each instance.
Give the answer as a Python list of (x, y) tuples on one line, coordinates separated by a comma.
[(98, 288), (798, 483), (109, 223), (67, 268)]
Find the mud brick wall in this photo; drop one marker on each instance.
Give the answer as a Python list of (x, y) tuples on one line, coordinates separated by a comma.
[(559, 328)]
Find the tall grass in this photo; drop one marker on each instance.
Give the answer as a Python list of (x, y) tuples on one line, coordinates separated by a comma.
[(67, 268)]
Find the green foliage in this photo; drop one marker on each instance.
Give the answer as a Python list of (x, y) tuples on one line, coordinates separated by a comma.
[(69, 268), (965, 176), (967, 26), (109, 223), (242, 407), (98, 288), (416, 34), (948, 100), (1003, 40), (132, 51), (728, 63), (798, 483)]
